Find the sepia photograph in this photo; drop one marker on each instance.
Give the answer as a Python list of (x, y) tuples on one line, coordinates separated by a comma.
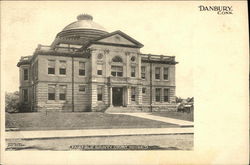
[(112, 76)]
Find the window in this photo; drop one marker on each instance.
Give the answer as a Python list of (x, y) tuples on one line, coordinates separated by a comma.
[(82, 88), (100, 56), (25, 95), (62, 69), (166, 95), (165, 74), (82, 68), (157, 73), (117, 71), (133, 58), (143, 72), (143, 90), (99, 69), (133, 93), (158, 94), (117, 59), (36, 70), (51, 92), (99, 93), (51, 67), (25, 74), (62, 92), (133, 71)]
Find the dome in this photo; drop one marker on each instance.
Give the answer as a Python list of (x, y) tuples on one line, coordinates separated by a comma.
[(80, 31), (84, 21)]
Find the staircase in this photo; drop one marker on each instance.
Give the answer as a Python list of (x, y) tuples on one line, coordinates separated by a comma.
[(123, 109)]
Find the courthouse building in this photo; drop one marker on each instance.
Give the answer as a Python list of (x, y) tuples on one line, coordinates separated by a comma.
[(87, 68)]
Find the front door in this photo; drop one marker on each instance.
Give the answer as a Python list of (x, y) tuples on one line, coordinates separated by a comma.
[(117, 96)]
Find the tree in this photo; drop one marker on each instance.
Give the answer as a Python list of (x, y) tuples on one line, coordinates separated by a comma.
[(12, 101)]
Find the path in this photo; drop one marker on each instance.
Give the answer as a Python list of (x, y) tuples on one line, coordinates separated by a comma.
[(182, 123), (95, 132)]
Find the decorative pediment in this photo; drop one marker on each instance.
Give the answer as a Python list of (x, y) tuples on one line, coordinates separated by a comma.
[(117, 38)]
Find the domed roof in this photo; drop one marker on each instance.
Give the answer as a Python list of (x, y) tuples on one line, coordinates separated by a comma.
[(84, 21)]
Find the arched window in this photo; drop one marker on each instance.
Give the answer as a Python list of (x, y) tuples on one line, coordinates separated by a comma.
[(117, 59)]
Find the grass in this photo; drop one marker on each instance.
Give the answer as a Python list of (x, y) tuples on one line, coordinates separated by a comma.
[(86, 120), (175, 115)]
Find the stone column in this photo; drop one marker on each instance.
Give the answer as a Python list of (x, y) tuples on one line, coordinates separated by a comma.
[(110, 97), (93, 97), (139, 95), (106, 96), (128, 95)]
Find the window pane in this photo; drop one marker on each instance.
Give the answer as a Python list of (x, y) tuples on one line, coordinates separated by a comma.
[(117, 71), (143, 90), (62, 71), (81, 72), (157, 94), (165, 73), (132, 71), (133, 93), (25, 74), (99, 93), (51, 70), (51, 92), (157, 73), (81, 88), (117, 59), (119, 74), (166, 95), (99, 72), (25, 95), (113, 73)]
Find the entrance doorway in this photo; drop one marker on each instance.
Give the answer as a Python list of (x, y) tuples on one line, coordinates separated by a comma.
[(117, 96)]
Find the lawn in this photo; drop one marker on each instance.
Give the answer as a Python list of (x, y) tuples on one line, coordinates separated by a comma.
[(85, 120), (176, 115)]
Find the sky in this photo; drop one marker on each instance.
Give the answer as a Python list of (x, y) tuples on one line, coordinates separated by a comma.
[(160, 26)]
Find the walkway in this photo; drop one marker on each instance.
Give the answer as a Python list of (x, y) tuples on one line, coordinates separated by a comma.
[(182, 123), (95, 132)]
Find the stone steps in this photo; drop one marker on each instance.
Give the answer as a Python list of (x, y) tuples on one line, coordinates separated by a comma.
[(123, 110)]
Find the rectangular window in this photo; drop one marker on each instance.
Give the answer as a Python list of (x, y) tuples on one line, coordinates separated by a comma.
[(51, 66), (51, 92), (99, 93), (25, 74), (82, 68), (133, 92), (62, 92), (36, 70), (143, 90), (99, 69), (82, 88), (158, 73), (158, 94), (117, 71), (165, 73), (143, 72), (62, 69), (133, 71), (25, 95), (166, 95)]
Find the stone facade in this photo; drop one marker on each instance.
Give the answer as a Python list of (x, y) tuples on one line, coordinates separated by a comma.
[(81, 73)]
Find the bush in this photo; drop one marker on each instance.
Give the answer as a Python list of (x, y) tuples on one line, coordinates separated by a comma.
[(12, 101)]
